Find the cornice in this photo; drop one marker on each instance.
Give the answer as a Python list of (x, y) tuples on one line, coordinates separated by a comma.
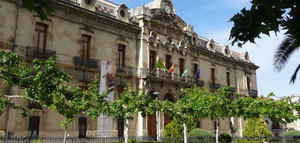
[(94, 16)]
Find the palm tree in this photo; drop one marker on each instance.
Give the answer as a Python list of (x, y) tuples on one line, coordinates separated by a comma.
[(287, 47)]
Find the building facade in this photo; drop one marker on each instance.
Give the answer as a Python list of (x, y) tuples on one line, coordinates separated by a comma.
[(84, 33)]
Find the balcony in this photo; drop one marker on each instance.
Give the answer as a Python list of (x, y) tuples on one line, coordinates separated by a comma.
[(199, 83), (85, 62), (34, 52), (215, 86), (122, 69), (253, 93), (163, 75)]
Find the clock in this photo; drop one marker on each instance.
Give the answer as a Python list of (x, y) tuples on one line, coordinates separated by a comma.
[(167, 9)]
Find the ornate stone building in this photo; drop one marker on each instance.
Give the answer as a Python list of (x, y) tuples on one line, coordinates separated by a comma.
[(82, 33)]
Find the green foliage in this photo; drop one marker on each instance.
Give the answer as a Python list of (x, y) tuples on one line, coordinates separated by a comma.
[(225, 138), (42, 7), (201, 136), (175, 128), (132, 140), (266, 16), (45, 84), (291, 133), (200, 133), (131, 103), (256, 128)]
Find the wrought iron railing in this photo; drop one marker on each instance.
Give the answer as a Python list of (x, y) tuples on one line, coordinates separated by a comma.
[(85, 62), (253, 93), (199, 83), (145, 72), (34, 52), (215, 86), (124, 69)]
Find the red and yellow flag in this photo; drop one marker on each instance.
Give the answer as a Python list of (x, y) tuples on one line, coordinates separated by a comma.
[(171, 69)]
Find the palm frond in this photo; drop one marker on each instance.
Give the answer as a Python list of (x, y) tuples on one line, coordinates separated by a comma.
[(293, 78), (284, 51)]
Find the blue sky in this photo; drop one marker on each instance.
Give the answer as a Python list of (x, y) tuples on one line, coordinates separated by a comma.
[(210, 20)]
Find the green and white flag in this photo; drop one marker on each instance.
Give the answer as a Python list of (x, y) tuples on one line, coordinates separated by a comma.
[(185, 72)]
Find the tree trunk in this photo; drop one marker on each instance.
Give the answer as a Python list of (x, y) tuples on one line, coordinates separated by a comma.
[(232, 130), (217, 131), (65, 136), (157, 126), (126, 133), (184, 133)]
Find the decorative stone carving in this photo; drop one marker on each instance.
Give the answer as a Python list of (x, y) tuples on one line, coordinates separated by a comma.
[(246, 56), (168, 42), (226, 51), (211, 45), (151, 39)]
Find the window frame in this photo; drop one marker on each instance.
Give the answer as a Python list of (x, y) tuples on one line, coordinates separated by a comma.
[(84, 49), (34, 125), (39, 31), (121, 53), (82, 121)]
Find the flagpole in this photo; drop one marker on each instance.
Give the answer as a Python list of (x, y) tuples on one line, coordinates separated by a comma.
[(195, 75)]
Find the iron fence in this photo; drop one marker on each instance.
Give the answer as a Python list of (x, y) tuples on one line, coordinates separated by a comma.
[(152, 140), (85, 62), (34, 52)]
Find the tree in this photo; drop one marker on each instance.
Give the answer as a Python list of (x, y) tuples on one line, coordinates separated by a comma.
[(45, 84), (175, 128), (266, 16), (42, 7), (131, 103), (255, 129)]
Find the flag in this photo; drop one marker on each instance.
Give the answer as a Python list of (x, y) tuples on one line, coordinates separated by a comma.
[(198, 74), (160, 65), (171, 69), (185, 72)]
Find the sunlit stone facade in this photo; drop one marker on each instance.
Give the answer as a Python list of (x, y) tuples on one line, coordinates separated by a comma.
[(82, 33)]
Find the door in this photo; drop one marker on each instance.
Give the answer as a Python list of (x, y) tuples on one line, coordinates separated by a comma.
[(152, 126)]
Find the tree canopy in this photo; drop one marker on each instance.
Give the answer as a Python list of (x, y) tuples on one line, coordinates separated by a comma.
[(266, 16), (44, 83)]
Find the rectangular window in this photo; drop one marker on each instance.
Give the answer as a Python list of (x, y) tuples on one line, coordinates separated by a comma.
[(120, 127), (181, 66), (85, 46), (228, 78), (82, 127), (121, 55), (195, 69), (248, 83), (168, 61), (213, 75), (152, 60), (33, 126), (40, 36)]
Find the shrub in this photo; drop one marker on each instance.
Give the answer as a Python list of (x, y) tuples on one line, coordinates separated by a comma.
[(288, 136), (255, 129), (175, 128), (201, 136), (225, 138)]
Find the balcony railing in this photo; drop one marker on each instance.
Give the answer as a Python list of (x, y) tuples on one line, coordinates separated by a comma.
[(199, 83), (169, 76), (34, 52), (85, 62), (124, 69), (253, 93), (215, 86)]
